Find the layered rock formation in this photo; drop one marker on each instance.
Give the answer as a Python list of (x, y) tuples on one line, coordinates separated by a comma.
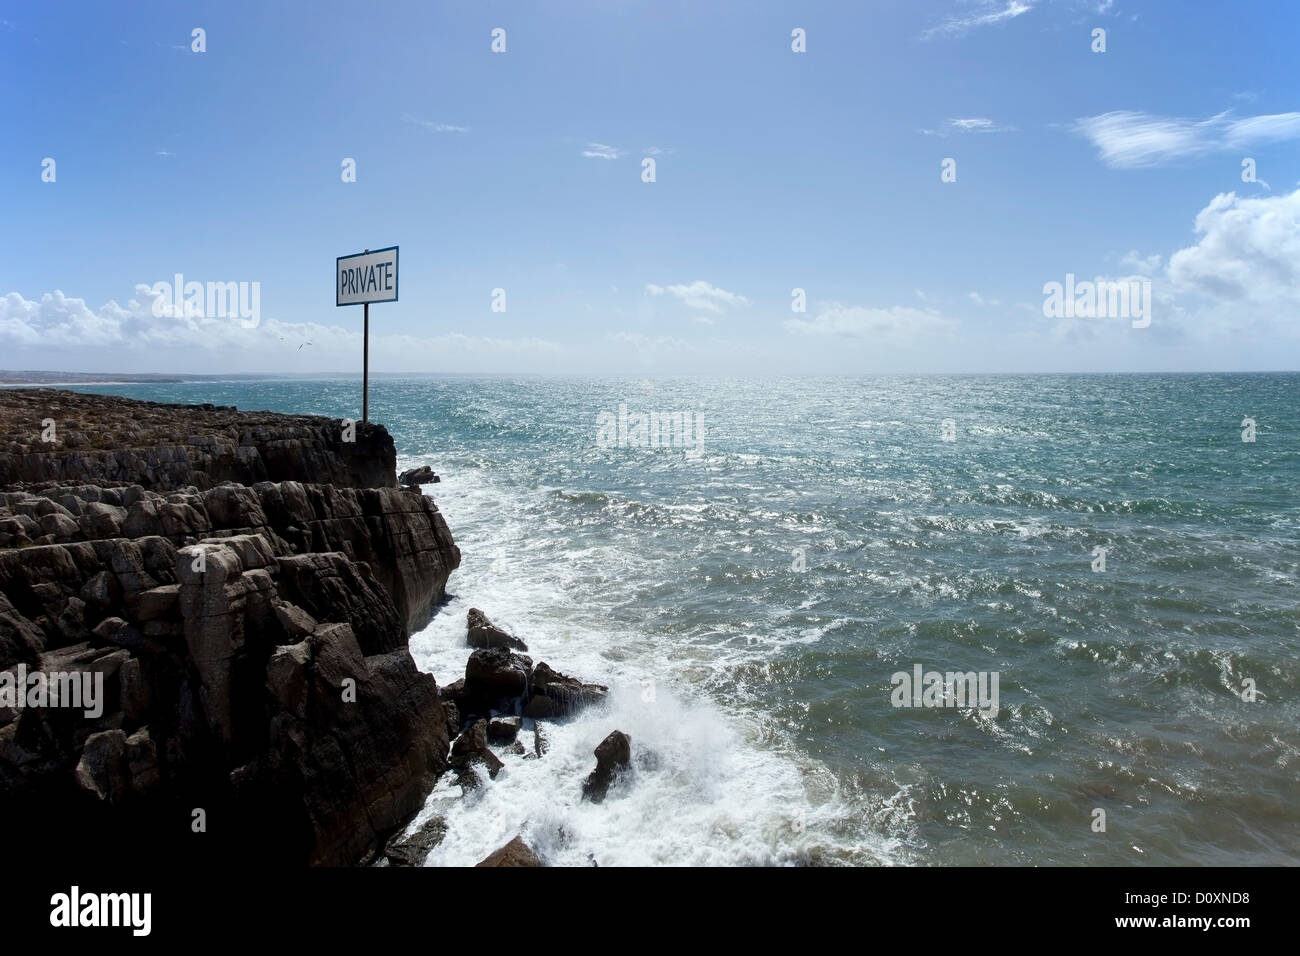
[(259, 699), (47, 435)]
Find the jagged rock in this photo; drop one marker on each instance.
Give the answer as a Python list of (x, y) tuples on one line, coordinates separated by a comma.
[(454, 693), (411, 850), (114, 630), (452, 715), (296, 622), (613, 754), (156, 603), (514, 853), (503, 730), (494, 677), (483, 633), (332, 587), (356, 771), (556, 695), (251, 636), (102, 769), (471, 748), (414, 477), (141, 757)]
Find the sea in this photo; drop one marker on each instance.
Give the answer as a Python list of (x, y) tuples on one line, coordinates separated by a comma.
[(753, 576)]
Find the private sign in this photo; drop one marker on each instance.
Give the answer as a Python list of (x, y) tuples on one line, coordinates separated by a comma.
[(366, 277)]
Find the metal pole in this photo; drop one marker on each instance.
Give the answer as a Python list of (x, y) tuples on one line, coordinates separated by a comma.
[(365, 369)]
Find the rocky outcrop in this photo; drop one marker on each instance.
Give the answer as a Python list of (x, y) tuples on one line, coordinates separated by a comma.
[(414, 477), (376, 557), (499, 683), (555, 695), (47, 435), (613, 755), (483, 633), (471, 749), (258, 697)]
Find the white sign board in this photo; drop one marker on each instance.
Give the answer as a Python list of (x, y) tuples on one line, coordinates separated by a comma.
[(366, 277)]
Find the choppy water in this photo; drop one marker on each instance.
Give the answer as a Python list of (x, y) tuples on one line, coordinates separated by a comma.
[(763, 692)]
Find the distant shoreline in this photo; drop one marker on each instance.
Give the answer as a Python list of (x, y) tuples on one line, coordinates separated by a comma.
[(36, 379)]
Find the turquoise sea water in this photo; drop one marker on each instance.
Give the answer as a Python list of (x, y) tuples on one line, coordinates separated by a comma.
[(758, 695)]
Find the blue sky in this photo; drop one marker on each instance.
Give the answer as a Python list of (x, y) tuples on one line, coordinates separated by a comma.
[(775, 170)]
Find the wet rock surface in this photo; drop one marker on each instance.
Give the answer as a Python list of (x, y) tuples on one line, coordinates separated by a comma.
[(514, 853), (613, 755)]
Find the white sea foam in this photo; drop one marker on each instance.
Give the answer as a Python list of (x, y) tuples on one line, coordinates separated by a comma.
[(709, 786)]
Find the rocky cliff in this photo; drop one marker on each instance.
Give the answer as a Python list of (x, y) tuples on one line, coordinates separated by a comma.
[(242, 586)]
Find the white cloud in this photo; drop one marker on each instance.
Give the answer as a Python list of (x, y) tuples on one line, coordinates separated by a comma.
[(57, 325), (979, 124), (1248, 251), (981, 301), (857, 322), (973, 124), (700, 295), (601, 151), (1127, 139), (1146, 265), (436, 127), (984, 13)]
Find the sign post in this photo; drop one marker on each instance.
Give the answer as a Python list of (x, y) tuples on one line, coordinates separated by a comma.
[(360, 279)]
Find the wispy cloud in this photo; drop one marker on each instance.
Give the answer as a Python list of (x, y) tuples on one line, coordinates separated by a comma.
[(973, 124), (700, 295), (985, 13), (436, 127), (979, 124), (1128, 139), (601, 151)]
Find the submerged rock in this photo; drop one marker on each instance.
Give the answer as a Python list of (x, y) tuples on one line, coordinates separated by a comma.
[(514, 853)]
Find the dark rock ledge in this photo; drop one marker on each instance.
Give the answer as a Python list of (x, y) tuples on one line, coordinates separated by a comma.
[(245, 584)]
